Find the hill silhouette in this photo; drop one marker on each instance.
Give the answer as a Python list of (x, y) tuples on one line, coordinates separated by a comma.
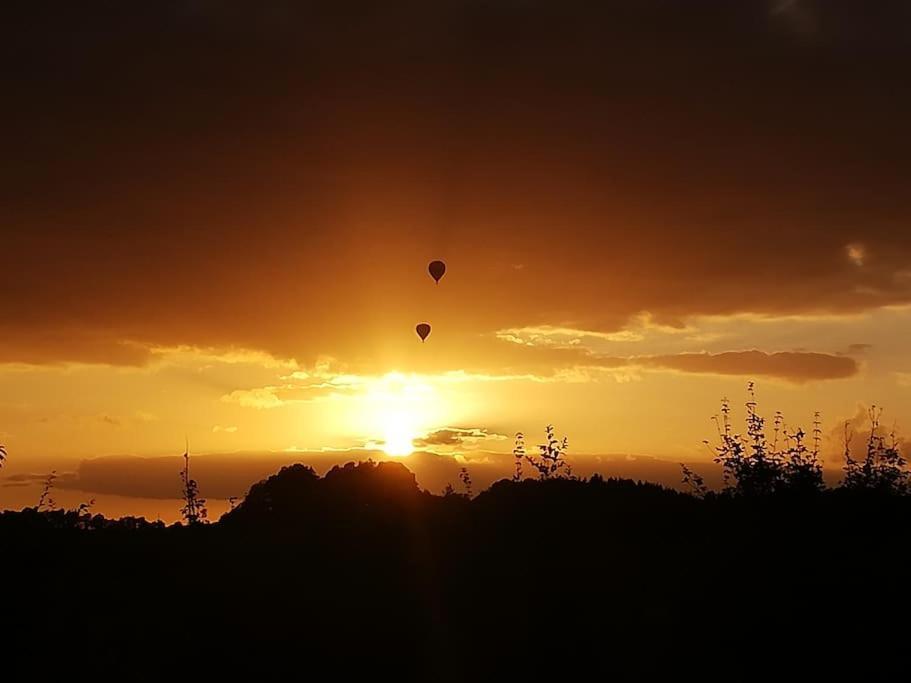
[(297, 493), (360, 570)]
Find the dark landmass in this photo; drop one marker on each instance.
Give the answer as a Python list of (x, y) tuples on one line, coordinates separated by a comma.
[(362, 572)]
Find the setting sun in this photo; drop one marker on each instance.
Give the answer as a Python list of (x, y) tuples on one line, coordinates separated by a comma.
[(398, 439), (396, 409)]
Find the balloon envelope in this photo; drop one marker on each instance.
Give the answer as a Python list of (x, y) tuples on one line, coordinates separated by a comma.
[(423, 331), (437, 269)]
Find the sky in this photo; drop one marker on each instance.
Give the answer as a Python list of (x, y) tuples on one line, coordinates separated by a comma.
[(216, 219)]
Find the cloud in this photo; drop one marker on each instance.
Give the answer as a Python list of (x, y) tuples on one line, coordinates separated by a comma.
[(223, 356), (791, 366), (856, 429), (139, 417), (858, 349), (566, 365), (223, 475), (323, 203), (323, 384), (857, 254), (260, 398), (31, 479), (286, 394), (226, 430), (549, 335), (40, 346), (472, 437)]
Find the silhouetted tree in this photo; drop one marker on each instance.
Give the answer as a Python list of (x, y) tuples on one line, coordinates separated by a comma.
[(3, 454), (284, 494), (83, 514), (551, 458), (883, 470), (194, 506), (465, 478), (519, 453)]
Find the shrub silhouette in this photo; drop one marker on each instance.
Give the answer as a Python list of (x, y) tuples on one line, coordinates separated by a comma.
[(694, 482), (45, 502), (194, 506), (802, 468), (550, 461), (465, 478), (83, 514), (883, 469), (519, 454), (756, 465)]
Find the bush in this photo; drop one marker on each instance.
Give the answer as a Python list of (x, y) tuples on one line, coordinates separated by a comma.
[(755, 464), (883, 469)]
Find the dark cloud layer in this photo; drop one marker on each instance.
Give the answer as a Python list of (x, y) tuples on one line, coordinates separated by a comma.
[(226, 475), (223, 475), (275, 175), (458, 436), (791, 366)]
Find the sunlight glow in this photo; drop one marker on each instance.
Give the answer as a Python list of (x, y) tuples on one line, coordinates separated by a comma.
[(398, 439), (398, 408)]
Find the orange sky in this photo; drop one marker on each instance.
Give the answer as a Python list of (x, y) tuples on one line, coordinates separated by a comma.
[(216, 221)]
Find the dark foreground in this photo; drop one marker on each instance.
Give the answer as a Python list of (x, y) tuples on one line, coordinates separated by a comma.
[(359, 572)]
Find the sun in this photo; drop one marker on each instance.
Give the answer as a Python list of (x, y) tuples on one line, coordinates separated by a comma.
[(396, 410), (399, 432), (398, 440)]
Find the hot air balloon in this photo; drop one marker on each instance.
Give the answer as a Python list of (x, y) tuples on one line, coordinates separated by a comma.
[(423, 331), (437, 270)]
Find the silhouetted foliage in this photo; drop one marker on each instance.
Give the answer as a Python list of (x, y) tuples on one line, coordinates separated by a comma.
[(755, 466), (694, 482), (802, 468), (465, 478), (550, 460), (883, 469), (359, 567), (45, 502), (84, 514), (194, 506), (283, 494), (519, 453), (352, 490)]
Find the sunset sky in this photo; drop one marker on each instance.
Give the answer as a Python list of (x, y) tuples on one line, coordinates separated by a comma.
[(216, 220)]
